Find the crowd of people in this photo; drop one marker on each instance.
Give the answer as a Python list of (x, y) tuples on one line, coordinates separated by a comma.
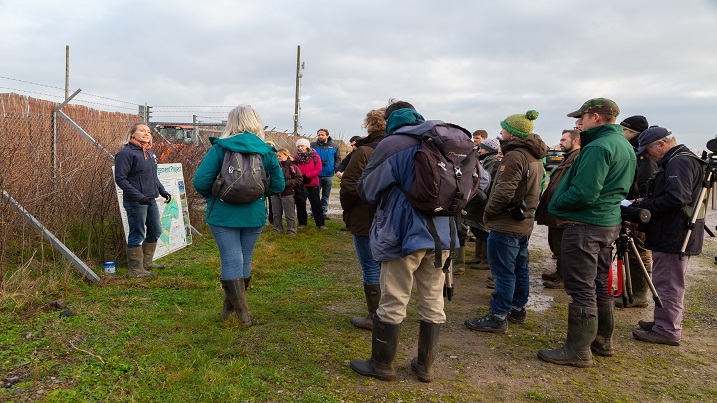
[(605, 165)]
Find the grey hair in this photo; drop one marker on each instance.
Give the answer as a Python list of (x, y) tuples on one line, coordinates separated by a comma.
[(243, 119), (668, 139)]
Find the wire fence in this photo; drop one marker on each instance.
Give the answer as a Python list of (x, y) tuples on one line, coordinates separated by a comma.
[(65, 182)]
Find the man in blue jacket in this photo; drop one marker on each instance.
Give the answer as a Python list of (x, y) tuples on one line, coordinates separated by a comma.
[(330, 160), (401, 241)]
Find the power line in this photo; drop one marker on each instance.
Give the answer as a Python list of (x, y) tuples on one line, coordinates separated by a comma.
[(58, 88)]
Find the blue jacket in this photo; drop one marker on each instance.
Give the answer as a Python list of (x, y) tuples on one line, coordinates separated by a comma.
[(236, 215), (330, 156), (397, 229), (136, 176)]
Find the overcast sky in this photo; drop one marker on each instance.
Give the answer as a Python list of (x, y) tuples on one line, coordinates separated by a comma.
[(472, 63)]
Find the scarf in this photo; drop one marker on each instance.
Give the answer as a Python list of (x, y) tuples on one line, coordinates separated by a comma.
[(144, 146), (303, 158)]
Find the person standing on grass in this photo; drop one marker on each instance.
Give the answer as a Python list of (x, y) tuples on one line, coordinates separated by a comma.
[(401, 241), (345, 162), (136, 175), (589, 198), (632, 127), (509, 215), (358, 214), (283, 204), (236, 227), (676, 186), (330, 156), (309, 163), (570, 146)]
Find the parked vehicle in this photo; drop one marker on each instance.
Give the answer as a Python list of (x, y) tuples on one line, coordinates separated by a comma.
[(553, 159)]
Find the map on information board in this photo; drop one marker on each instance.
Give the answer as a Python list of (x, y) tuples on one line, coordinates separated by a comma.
[(174, 216)]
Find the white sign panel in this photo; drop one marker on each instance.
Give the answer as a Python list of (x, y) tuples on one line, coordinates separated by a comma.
[(174, 216)]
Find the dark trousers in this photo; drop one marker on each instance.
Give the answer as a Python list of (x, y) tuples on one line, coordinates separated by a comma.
[(555, 242), (315, 201), (586, 259)]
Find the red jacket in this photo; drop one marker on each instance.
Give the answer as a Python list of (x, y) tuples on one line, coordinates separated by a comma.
[(311, 169)]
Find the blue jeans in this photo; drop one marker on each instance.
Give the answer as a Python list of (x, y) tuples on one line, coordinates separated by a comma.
[(236, 248), (325, 182), (370, 269), (508, 259), (139, 216)]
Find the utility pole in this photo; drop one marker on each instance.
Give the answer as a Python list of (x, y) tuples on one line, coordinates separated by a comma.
[(67, 71), (297, 99)]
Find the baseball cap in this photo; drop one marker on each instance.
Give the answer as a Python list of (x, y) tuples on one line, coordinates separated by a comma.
[(597, 105), (651, 135)]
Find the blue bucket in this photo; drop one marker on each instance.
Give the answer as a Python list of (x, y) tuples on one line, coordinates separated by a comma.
[(110, 267)]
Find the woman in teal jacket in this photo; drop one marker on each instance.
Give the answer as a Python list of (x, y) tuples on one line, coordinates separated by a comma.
[(236, 227)]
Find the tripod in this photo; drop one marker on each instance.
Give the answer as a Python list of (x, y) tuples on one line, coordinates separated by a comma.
[(625, 243)]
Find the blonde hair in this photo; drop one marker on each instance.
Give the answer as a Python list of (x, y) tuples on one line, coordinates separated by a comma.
[(284, 152), (243, 119), (133, 129), (375, 121)]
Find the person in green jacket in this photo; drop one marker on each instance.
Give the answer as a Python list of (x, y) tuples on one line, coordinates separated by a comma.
[(236, 227), (588, 199)]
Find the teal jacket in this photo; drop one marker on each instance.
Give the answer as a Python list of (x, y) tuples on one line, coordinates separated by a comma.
[(236, 215), (599, 179)]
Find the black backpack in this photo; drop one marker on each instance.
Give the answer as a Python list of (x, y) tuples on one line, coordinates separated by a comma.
[(242, 178), (448, 176), (447, 171)]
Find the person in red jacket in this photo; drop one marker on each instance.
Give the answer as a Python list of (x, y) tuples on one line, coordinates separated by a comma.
[(309, 163)]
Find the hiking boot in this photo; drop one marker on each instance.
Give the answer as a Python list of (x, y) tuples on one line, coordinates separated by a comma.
[(652, 336), (556, 284), (488, 323), (515, 316), (490, 282), (634, 304), (483, 263), (645, 325), (550, 276)]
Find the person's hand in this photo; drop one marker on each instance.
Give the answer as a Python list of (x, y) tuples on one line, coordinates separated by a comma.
[(167, 197), (339, 174), (145, 202)]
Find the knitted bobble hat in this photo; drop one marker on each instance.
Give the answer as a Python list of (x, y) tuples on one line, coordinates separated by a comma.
[(520, 125)]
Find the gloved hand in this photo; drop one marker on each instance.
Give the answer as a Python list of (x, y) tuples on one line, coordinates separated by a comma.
[(167, 197), (145, 202)]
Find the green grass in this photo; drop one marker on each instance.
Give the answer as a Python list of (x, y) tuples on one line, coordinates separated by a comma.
[(161, 339)]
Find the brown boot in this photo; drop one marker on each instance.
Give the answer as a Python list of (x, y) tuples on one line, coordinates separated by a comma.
[(373, 296), (135, 265), (478, 255), (384, 343), (458, 264), (235, 292), (427, 342), (148, 251)]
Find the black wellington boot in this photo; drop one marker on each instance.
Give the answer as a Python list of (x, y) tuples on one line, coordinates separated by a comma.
[(602, 345), (427, 342), (384, 344)]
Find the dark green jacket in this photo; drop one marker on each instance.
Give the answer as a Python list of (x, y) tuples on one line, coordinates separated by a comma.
[(236, 215), (598, 180)]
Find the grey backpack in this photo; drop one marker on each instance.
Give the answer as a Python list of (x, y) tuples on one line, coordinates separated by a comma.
[(242, 178)]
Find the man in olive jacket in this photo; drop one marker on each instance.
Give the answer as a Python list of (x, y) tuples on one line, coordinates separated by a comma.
[(570, 145), (589, 199), (509, 215)]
